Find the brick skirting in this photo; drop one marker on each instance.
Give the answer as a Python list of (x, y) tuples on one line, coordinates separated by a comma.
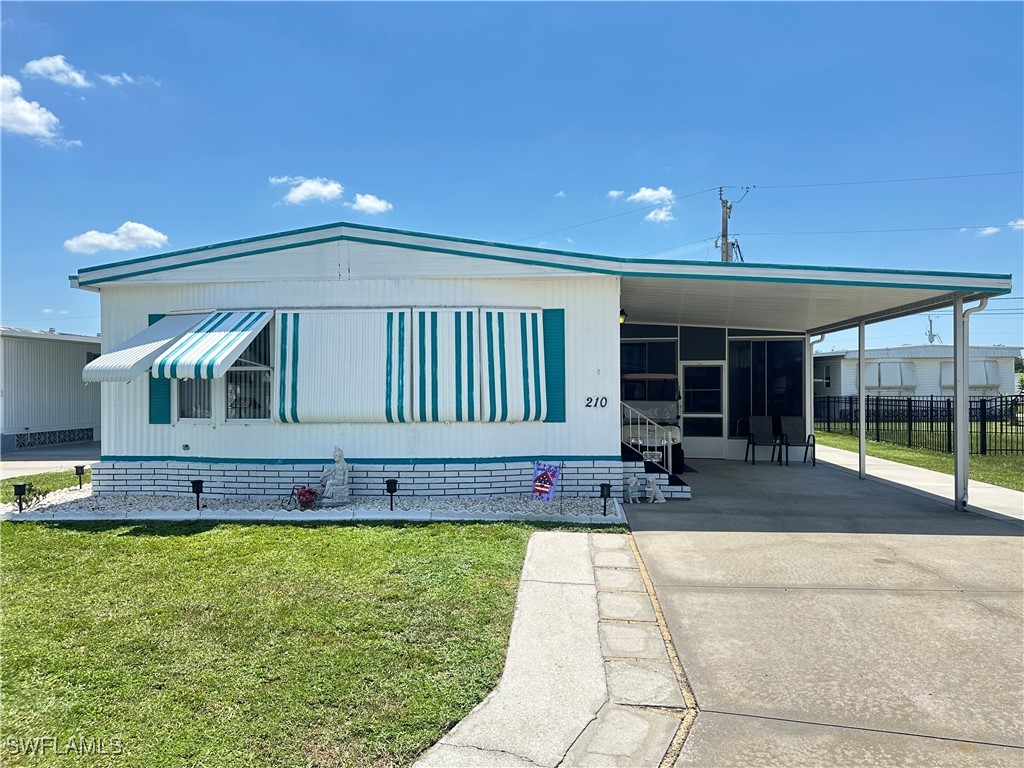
[(171, 478)]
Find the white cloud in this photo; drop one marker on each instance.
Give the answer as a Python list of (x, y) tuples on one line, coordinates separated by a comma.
[(986, 231), (56, 68), (28, 118), (125, 79), (559, 194), (569, 240), (370, 204), (303, 190), (661, 195), (127, 237), (1016, 224), (121, 79), (48, 311), (614, 194), (660, 215)]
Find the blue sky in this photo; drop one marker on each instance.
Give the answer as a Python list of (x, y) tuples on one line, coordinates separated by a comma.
[(508, 121)]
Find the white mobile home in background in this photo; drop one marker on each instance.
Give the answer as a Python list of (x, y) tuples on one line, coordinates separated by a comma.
[(919, 370), (45, 401), (454, 364)]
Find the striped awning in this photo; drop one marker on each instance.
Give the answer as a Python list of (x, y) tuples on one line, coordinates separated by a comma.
[(209, 349), (129, 360)]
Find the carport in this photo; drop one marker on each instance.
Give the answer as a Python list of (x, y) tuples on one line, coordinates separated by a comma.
[(766, 301), (819, 624)]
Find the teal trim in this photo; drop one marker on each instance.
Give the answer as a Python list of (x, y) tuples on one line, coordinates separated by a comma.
[(168, 365), (725, 266), (536, 363), (458, 366), (394, 460), (494, 244), (489, 319), (433, 366), (523, 343), (503, 382), (282, 332), (387, 370), (470, 373), (295, 367), (401, 367), (224, 343), (422, 365), (159, 392), (554, 364)]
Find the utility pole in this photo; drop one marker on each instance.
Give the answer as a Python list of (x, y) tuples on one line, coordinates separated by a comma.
[(726, 212)]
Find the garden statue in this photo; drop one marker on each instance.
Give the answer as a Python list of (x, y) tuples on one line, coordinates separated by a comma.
[(335, 482), (654, 494)]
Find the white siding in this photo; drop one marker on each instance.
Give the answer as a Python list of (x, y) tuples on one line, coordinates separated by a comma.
[(591, 305), (43, 388)]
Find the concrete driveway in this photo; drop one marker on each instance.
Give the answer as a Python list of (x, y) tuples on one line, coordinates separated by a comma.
[(825, 620), (51, 458)]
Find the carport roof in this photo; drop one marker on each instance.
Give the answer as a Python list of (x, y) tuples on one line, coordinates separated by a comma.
[(759, 296)]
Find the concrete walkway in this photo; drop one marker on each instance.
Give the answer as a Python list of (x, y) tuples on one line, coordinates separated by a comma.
[(590, 678), (822, 620), (982, 498), (54, 458)]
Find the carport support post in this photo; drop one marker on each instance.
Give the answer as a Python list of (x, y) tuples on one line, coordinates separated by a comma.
[(961, 412), (862, 411), (961, 429)]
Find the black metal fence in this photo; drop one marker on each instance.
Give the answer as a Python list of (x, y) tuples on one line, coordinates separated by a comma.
[(996, 423)]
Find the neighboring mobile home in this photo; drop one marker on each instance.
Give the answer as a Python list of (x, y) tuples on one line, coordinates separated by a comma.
[(920, 371), (45, 401), (454, 364)]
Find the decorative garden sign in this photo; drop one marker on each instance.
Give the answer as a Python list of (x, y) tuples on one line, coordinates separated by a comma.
[(545, 480)]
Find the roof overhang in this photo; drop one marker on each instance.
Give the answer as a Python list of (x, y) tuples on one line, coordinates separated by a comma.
[(766, 296), (794, 303)]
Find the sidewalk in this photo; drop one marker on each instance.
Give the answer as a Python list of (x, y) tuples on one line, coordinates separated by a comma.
[(983, 498), (590, 678), (48, 458)]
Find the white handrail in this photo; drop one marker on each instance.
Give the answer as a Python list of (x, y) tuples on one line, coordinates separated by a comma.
[(640, 431)]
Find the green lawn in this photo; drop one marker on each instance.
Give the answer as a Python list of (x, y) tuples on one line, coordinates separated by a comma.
[(204, 644), (1006, 470), (47, 481)]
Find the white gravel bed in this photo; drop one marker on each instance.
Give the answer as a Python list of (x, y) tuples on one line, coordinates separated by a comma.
[(81, 505)]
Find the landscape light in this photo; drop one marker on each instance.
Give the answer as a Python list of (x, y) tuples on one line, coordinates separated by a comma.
[(80, 471), (392, 487), (197, 489), (606, 493), (19, 492)]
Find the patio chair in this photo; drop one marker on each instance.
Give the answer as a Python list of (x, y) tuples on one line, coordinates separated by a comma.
[(761, 433), (793, 434)]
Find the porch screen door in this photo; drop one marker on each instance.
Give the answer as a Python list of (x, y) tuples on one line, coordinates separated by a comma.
[(702, 419)]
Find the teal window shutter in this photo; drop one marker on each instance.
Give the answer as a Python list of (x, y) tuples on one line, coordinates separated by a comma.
[(159, 393), (554, 363)]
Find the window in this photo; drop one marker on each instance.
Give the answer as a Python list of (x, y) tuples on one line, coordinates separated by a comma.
[(243, 393), (765, 379), (828, 376), (247, 384), (195, 399)]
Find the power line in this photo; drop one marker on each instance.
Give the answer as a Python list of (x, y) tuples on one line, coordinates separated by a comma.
[(888, 181), (673, 247), (868, 231), (669, 201)]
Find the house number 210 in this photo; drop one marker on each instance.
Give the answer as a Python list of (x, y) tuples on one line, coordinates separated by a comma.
[(597, 402)]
